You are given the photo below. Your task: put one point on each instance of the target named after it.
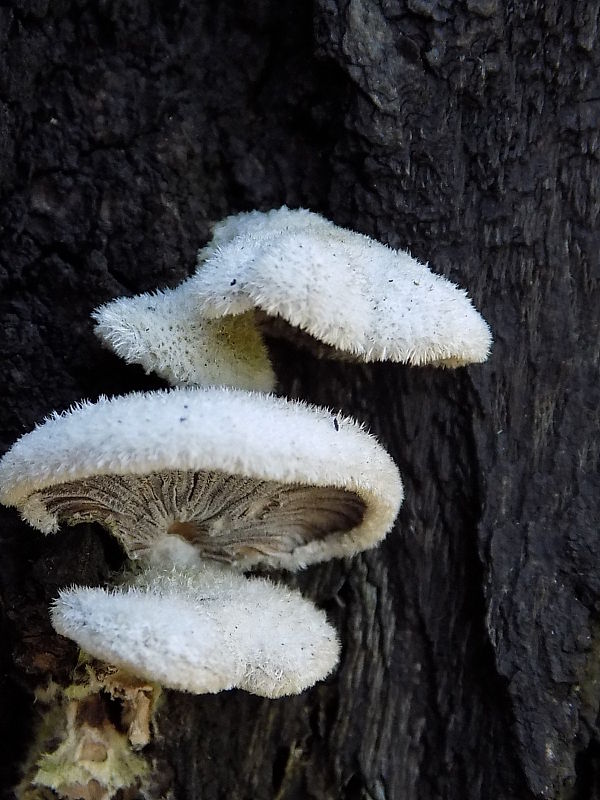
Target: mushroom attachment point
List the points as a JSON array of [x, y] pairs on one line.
[[203, 630], [186, 475]]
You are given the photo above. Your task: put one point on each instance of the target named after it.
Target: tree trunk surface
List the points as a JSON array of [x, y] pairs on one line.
[[466, 132]]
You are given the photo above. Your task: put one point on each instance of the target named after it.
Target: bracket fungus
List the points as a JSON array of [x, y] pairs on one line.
[[203, 630], [190, 474], [293, 274]]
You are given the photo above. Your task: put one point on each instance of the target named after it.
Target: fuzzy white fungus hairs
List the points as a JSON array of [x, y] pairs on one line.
[[223, 474], [166, 333], [261, 225], [203, 631], [344, 289]]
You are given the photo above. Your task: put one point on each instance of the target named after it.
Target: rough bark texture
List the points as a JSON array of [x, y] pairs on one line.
[[466, 132]]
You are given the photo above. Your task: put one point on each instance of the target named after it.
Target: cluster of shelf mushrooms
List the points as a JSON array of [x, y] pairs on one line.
[[204, 482]]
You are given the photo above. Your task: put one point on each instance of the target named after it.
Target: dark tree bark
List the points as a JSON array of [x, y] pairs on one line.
[[466, 132]]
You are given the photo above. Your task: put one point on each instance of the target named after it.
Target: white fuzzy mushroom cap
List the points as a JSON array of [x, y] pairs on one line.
[[203, 631], [343, 288], [269, 441], [166, 333]]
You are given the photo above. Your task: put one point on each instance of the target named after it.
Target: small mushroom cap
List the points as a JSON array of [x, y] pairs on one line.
[[203, 631], [343, 288], [242, 477], [166, 333]]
